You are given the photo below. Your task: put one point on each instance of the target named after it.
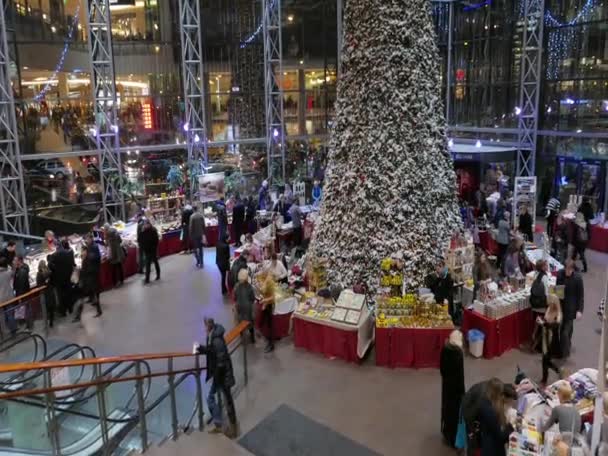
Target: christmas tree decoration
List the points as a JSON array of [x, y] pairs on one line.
[[390, 188]]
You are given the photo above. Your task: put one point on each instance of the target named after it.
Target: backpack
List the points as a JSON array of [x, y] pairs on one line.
[[538, 298]]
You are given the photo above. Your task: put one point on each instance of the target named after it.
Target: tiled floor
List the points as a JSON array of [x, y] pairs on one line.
[[390, 411]]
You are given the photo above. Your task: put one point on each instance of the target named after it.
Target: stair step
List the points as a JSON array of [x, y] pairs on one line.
[[199, 443]]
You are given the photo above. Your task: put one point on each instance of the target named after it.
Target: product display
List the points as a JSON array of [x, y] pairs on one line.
[[503, 305]]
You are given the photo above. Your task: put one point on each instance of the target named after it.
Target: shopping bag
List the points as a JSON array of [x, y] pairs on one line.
[[20, 312], [461, 435]]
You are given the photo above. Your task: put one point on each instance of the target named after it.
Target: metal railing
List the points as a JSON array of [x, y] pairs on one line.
[[22, 312], [139, 419]]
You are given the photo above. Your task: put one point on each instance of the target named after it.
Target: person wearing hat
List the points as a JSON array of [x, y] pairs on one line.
[[580, 238]]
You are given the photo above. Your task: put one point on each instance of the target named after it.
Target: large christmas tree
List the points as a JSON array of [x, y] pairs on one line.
[[390, 184]]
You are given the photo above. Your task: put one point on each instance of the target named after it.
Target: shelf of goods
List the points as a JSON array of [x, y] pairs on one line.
[[535, 406], [410, 329], [344, 329]]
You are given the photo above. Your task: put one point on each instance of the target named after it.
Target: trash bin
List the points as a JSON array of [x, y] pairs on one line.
[[476, 338]]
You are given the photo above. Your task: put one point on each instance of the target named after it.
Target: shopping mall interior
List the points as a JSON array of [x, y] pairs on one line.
[[416, 191]]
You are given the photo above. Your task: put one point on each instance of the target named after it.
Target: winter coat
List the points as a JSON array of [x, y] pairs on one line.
[[10, 256], [245, 300], [21, 281], [116, 254], [587, 210], [525, 226], [149, 241], [186, 214], [6, 285], [140, 230], [238, 214], [233, 277], [197, 226], [503, 232], [442, 288], [574, 294], [494, 437], [89, 272], [219, 365], [62, 266], [222, 255], [451, 366]]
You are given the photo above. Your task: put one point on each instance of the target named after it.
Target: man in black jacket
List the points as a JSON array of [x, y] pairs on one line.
[[141, 258], [149, 245], [9, 252], [239, 263], [62, 265], [186, 214], [441, 285], [89, 277], [222, 259], [573, 303], [219, 369]]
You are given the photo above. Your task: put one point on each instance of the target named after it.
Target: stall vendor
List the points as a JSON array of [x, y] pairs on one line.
[[442, 287], [255, 252], [50, 242], [276, 268]]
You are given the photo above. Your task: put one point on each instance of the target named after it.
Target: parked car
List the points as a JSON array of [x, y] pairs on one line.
[[54, 167]]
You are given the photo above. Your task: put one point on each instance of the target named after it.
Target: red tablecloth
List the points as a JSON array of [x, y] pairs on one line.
[[410, 347], [327, 340], [129, 268], [501, 335], [212, 233], [487, 242], [598, 238], [280, 324], [170, 244]]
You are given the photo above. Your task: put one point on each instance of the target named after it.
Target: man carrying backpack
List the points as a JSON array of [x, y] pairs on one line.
[[580, 239], [573, 303]]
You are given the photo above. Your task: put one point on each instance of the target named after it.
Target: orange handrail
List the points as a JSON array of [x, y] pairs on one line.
[[18, 367], [18, 299]]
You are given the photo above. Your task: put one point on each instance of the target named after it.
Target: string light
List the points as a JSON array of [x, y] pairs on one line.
[[66, 46], [247, 41], [562, 37]]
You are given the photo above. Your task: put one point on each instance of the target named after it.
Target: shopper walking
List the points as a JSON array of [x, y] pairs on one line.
[[149, 244], [296, 220], [88, 285], [219, 370], [141, 258], [561, 239], [250, 216], [116, 254], [245, 301], [586, 208], [186, 214], [580, 238], [197, 233], [503, 238], [222, 218], [238, 219], [550, 336], [222, 260], [61, 265], [451, 367], [267, 303], [573, 303]]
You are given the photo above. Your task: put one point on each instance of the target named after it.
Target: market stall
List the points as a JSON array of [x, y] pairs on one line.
[[344, 330], [281, 318]]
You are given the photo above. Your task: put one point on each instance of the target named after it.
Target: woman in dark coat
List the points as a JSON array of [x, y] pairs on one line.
[[452, 385], [250, 216], [494, 431]]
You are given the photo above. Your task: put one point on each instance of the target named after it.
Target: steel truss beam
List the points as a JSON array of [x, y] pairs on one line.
[[273, 89], [12, 193], [194, 83], [103, 85], [529, 93]]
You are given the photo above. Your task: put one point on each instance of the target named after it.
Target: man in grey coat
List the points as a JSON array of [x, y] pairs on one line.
[[197, 231]]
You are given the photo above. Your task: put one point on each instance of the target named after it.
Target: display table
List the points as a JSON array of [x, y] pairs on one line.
[[281, 318], [503, 334], [170, 243], [333, 339], [129, 268], [487, 242], [598, 238], [410, 347], [212, 233]]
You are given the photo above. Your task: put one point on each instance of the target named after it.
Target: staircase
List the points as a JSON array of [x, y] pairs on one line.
[[61, 399]]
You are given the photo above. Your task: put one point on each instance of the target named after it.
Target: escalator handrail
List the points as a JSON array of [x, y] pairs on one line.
[[40, 371], [10, 343], [233, 335], [18, 299]]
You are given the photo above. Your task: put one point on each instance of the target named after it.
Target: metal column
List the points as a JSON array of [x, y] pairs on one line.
[[529, 93], [103, 85], [194, 83], [12, 193], [273, 89]]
